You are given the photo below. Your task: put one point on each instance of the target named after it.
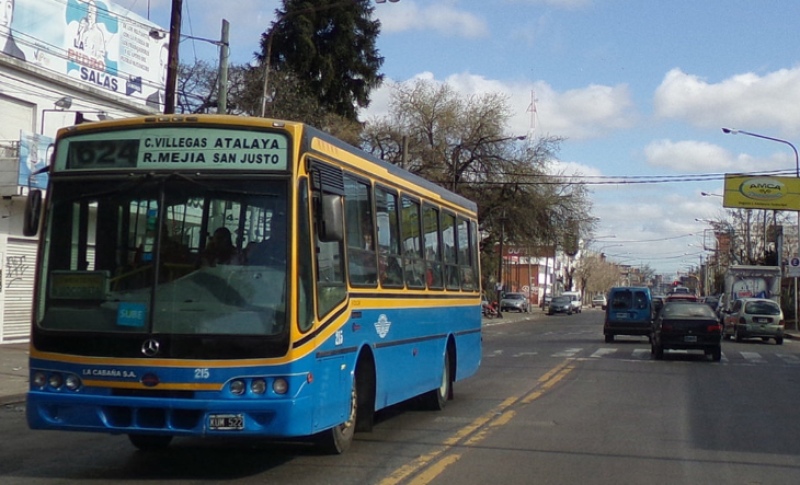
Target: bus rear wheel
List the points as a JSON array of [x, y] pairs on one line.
[[338, 439], [150, 442], [436, 399]]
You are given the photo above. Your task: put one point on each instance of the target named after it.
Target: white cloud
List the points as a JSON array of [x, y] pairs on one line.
[[745, 100], [584, 113], [562, 4], [688, 156], [444, 18]]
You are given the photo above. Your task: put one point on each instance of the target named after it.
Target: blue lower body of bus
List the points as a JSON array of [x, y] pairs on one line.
[[404, 349]]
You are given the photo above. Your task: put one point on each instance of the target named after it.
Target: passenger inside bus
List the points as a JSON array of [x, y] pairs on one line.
[[220, 249]]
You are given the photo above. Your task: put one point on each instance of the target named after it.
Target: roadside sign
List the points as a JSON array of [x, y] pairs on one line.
[[793, 268]]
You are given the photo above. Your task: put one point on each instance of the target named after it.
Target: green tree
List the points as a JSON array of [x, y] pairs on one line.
[[329, 46]]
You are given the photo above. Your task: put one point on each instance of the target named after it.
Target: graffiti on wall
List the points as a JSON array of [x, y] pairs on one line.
[[15, 270]]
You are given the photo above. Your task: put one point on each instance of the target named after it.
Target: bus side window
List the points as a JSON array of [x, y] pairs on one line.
[[433, 252], [390, 265], [414, 266], [361, 255]]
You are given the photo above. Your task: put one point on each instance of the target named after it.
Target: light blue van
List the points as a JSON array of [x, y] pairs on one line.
[[629, 311]]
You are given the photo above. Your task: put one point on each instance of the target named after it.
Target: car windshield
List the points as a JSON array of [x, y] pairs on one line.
[[762, 308], [687, 310], [514, 296], [561, 299]]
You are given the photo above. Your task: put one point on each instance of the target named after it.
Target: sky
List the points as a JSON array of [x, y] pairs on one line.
[[635, 88]]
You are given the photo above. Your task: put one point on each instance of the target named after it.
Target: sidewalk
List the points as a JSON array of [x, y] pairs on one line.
[[14, 359], [13, 373]]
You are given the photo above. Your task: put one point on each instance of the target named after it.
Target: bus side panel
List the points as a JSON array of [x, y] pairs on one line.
[[409, 357]]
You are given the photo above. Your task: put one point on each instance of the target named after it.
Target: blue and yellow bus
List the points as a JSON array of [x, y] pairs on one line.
[[218, 275]]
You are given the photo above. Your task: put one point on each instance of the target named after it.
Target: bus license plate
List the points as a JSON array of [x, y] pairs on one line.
[[226, 422], [690, 338]]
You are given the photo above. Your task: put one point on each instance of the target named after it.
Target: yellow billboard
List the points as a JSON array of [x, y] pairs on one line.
[[761, 192]]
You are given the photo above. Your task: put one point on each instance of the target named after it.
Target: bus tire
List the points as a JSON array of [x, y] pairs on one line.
[[150, 442], [436, 399], [337, 440]]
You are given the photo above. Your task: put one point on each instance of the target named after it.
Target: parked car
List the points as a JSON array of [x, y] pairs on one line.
[[560, 304], [575, 297], [754, 317], [599, 300], [629, 312], [514, 301], [686, 325]]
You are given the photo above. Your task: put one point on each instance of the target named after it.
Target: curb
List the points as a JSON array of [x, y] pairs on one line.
[[13, 399]]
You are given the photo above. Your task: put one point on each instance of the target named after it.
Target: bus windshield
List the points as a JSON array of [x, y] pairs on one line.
[[166, 254]]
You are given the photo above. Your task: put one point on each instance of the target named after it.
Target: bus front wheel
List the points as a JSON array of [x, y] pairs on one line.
[[338, 439]]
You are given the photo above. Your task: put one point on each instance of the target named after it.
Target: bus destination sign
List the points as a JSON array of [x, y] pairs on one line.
[[175, 149]]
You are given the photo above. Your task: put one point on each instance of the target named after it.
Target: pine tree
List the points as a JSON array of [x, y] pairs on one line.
[[329, 46]]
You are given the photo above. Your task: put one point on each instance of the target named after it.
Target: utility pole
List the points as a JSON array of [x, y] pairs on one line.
[[172, 65], [224, 46]]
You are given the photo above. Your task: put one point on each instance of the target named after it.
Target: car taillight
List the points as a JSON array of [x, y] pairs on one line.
[[714, 328], [780, 323], [666, 326]]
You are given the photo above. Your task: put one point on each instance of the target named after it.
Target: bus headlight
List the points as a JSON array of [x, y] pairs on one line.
[[238, 387], [55, 380], [73, 382], [39, 379], [280, 386], [258, 386]]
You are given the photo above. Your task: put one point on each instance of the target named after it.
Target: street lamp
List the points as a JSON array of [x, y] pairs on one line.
[[708, 194], [732, 131], [224, 48]]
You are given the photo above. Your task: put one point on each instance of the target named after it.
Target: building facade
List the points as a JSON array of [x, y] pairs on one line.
[[62, 62]]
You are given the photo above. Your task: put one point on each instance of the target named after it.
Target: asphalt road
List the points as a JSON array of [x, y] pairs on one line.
[[552, 404]]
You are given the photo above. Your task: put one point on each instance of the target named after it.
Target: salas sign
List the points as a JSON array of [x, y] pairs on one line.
[[761, 192]]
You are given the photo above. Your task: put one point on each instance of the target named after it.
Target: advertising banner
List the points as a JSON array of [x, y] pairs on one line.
[[761, 192], [34, 155], [93, 41]]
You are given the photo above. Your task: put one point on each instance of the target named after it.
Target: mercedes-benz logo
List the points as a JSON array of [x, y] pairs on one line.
[[150, 347]]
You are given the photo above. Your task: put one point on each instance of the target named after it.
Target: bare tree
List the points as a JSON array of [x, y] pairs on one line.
[[462, 143]]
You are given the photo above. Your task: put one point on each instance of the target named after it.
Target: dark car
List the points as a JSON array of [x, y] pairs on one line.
[[560, 304], [686, 325], [514, 301], [712, 302]]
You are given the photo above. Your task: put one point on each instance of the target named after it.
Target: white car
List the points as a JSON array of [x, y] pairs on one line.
[[599, 300]]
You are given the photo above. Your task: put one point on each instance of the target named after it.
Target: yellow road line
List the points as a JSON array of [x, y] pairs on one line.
[[430, 465]]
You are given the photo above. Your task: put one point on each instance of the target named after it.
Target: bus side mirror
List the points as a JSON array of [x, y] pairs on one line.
[[331, 224], [33, 213]]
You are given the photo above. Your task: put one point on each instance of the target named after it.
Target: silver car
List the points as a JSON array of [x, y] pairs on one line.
[[754, 317], [514, 301]]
